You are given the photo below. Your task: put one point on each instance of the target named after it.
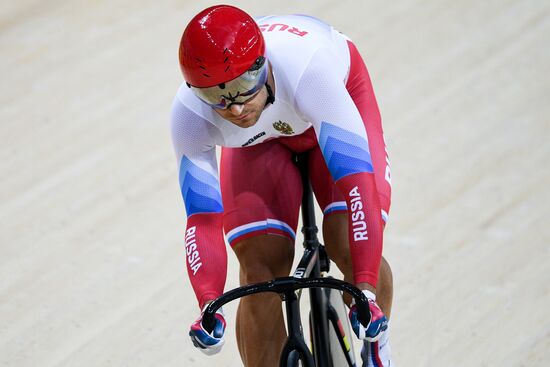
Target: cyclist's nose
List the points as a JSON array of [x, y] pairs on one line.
[[236, 109]]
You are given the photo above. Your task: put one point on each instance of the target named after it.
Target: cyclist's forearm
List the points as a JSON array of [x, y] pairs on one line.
[[206, 256]]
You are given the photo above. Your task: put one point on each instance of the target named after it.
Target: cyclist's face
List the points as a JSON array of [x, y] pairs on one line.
[[245, 114]]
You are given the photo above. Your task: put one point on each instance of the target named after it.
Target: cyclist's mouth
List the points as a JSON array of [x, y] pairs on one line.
[[240, 118]]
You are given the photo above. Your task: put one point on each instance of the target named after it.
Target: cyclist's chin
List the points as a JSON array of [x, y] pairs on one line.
[[246, 125], [246, 122]]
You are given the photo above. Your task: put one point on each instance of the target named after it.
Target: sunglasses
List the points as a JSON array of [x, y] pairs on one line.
[[236, 91]]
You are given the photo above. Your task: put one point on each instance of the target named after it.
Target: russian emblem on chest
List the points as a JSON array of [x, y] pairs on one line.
[[283, 127]]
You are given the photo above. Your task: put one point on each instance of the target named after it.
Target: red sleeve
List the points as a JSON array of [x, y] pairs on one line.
[[365, 225], [206, 255]]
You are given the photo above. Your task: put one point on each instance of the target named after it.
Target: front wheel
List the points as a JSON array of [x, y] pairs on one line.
[[340, 335]]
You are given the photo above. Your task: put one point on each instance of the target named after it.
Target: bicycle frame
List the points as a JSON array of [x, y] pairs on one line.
[[307, 275], [317, 261]]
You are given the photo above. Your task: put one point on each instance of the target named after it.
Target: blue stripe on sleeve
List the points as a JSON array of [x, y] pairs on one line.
[[345, 152], [200, 189]]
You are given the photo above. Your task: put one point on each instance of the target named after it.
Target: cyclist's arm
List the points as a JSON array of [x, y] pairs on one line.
[[322, 98], [206, 255]]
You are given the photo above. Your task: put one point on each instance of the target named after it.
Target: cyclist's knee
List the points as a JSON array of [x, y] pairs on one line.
[[263, 258], [256, 274], [385, 269], [341, 258], [385, 278], [335, 233]]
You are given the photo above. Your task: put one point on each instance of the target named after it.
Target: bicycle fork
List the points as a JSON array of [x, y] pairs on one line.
[[295, 341]]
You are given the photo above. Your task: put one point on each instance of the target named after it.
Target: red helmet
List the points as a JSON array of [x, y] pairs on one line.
[[219, 44]]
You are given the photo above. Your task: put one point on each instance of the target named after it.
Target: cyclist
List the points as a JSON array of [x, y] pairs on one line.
[[264, 90]]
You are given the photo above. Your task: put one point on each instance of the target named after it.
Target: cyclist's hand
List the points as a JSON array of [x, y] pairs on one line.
[[378, 322], [208, 343]]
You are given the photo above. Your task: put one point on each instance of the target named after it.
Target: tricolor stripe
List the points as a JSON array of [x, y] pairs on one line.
[[334, 207], [384, 216], [376, 362], [271, 226]]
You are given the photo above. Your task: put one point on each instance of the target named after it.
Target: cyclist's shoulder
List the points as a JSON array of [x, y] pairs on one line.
[[297, 43], [298, 35], [190, 111], [300, 25], [191, 123]]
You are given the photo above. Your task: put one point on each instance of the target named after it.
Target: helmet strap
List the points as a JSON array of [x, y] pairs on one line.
[[270, 95]]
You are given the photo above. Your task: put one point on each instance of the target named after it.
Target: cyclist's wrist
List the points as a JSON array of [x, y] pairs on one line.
[[218, 311], [206, 303], [206, 299], [367, 287], [370, 295]]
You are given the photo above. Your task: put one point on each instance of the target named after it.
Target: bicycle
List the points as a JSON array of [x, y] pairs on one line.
[[330, 347]]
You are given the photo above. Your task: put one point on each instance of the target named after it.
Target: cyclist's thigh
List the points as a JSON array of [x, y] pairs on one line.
[[333, 205], [261, 192], [328, 196]]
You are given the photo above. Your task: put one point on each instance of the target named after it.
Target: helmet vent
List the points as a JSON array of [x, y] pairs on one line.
[[227, 68]]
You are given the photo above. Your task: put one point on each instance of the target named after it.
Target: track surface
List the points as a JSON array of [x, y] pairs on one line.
[[91, 219]]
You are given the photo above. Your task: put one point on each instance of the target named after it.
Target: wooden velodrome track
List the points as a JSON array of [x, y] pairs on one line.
[[91, 218]]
